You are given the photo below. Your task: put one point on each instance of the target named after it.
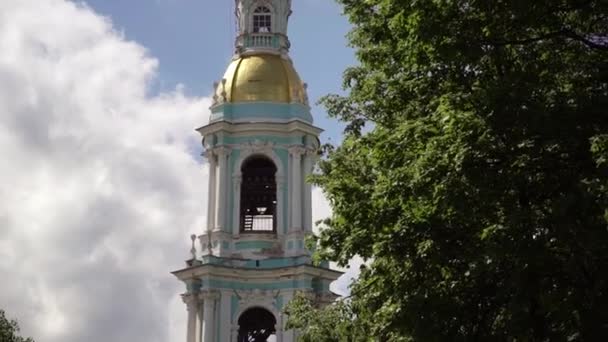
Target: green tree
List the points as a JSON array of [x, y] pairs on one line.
[[474, 171], [9, 330], [335, 324]]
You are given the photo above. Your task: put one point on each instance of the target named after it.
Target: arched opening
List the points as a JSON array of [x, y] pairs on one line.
[[257, 325], [262, 20], [258, 195]]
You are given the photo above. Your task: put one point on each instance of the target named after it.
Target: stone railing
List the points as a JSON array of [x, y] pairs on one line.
[[262, 41]]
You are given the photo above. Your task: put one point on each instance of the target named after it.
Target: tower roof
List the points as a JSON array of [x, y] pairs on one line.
[[261, 83], [262, 78]]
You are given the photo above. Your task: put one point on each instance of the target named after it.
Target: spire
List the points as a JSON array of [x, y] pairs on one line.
[[262, 26]]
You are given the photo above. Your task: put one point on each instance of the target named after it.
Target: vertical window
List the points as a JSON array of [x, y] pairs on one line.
[[262, 20], [258, 195]]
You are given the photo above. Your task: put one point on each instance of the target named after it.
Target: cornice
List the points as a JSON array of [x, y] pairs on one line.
[[255, 275], [277, 128]]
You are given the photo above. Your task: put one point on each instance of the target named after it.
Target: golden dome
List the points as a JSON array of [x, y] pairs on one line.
[[263, 78]]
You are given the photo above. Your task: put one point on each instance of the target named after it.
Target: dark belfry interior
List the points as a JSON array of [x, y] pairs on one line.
[[258, 195], [256, 325]]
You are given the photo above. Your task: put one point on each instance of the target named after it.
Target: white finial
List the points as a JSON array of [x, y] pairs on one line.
[[209, 245], [193, 249], [305, 93], [224, 90]]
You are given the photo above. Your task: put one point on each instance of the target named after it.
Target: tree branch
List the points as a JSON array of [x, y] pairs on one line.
[[590, 43], [546, 36], [601, 44]]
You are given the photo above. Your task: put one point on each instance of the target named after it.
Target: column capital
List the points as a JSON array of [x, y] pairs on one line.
[[191, 300], [296, 150], [209, 154], [222, 151], [208, 294], [312, 152]]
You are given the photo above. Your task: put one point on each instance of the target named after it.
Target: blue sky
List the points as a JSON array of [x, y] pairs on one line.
[[193, 40]]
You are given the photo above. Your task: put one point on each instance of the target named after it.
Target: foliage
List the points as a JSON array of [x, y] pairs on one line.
[[335, 324], [9, 330], [474, 171]]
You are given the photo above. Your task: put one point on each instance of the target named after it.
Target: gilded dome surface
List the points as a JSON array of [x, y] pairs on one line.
[[262, 78]]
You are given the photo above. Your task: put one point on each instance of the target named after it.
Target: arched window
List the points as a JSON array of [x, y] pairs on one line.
[[256, 325], [258, 195], [262, 20]]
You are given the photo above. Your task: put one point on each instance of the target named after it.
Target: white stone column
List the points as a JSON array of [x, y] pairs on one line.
[[224, 315], [296, 188], [201, 315], [280, 207], [309, 159], [279, 327], [212, 190], [235, 332], [222, 196], [237, 180], [193, 324], [209, 307]]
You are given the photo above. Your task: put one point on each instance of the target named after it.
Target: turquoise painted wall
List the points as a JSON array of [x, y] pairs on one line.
[[261, 110], [234, 306], [257, 264], [234, 285], [242, 245], [270, 138]]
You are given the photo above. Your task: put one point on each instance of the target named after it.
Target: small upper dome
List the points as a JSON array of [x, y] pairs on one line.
[[261, 78]]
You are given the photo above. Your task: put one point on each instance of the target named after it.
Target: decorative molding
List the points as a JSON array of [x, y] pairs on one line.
[[209, 154], [283, 128], [265, 148], [257, 146], [222, 151], [208, 295], [266, 299], [310, 151], [191, 301], [297, 150]]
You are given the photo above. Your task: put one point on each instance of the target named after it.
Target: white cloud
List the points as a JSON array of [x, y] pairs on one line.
[[100, 184], [321, 209]]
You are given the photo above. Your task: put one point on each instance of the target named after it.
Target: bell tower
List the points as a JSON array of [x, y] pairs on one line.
[[250, 258]]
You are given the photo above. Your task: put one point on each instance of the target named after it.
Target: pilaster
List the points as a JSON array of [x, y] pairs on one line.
[[209, 300], [280, 205], [296, 153], [224, 315], [212, 189], [222, 199], [193, 326], [237, 180], [309, 161]]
